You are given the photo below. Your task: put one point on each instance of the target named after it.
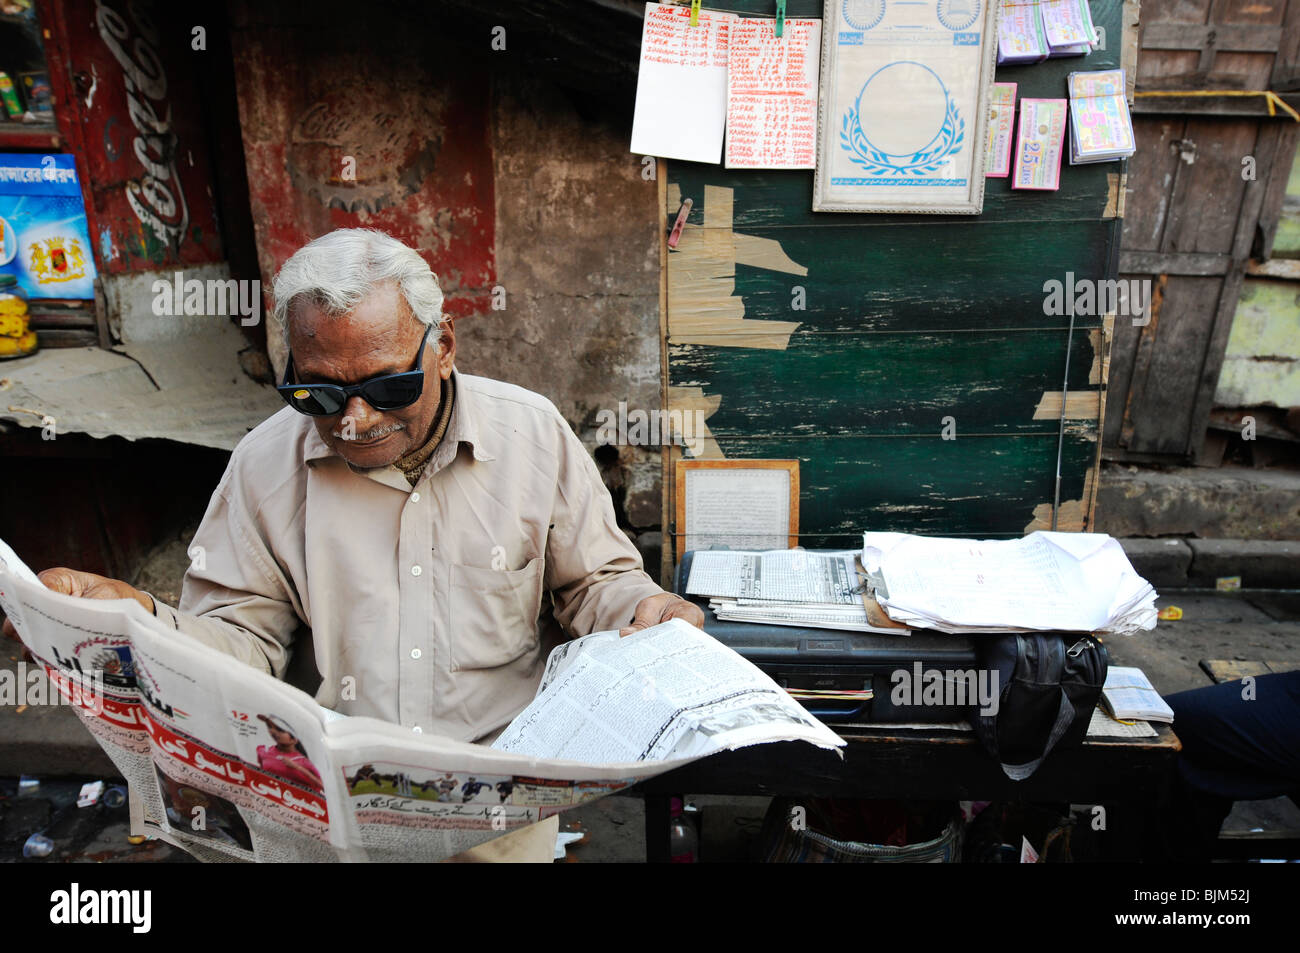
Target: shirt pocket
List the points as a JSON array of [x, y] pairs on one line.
[[493, 614]]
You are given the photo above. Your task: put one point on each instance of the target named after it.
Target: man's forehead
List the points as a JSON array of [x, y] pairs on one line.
[[377, 322]]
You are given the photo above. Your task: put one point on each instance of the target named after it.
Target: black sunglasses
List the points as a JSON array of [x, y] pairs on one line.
[[387, 392]]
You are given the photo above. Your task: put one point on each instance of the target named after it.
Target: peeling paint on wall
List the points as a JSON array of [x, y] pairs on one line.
[[702, 305]]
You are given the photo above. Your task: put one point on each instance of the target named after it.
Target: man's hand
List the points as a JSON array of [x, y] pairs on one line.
[[655, 609], [86, 585]]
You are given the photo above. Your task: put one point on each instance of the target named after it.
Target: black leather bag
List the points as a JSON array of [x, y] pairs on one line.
[[1048, 686]]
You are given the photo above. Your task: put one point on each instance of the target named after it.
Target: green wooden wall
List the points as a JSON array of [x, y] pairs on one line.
[[909, 319]]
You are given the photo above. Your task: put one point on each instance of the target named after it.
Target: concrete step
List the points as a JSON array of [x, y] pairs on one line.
[[1199, 563]]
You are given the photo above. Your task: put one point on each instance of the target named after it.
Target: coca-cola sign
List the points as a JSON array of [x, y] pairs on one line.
[[155, 194]]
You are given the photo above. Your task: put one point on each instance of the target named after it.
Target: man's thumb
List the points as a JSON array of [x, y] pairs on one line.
[[60, 580], [643, 619]]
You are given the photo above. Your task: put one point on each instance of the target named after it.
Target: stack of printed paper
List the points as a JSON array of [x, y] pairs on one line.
[[1071, 582], [785, 587], [1068, 26], [1020, 34], [1101, 129], [1030, 31]]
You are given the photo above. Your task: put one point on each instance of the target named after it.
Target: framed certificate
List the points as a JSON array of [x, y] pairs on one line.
[[737, 504], [903, 107]]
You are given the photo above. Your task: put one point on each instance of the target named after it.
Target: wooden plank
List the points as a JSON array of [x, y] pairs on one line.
[[40, 320], [101, 316], [1262, 12], [1212, 36], [1153, 263], [1277, 268], [1265, 156], [1160, 412], [1278, 174], [1215, 347], [1234, 670], [1129, 55], [920, 278], [895, 383], [880, 762], [1123, 361], [1175, 11], [775, 197], [1286, 65], [1147, 103], [1150, 171], [994, 487], [63, 337], [1209, 190], [1241, 71]]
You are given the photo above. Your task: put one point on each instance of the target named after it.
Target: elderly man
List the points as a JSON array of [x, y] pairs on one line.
[[434, 531]]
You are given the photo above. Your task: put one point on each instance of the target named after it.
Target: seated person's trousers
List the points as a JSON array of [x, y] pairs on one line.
[[1235, 748]]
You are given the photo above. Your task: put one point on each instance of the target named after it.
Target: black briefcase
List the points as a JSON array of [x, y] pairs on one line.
[[896, 669]]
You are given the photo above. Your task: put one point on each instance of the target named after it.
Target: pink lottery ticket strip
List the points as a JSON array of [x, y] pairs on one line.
[[1002, 117], [1038, 149]]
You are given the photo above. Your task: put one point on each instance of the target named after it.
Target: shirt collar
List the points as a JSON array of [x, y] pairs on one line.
[[466, 415]]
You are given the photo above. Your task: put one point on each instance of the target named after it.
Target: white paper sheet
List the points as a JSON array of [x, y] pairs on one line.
[[681, 89], [772, 94], [783, 575], [739, 509], [1077, 582]]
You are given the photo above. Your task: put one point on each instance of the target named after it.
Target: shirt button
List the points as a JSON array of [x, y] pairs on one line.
[[415, 497], [415, 653], [416, 570], [418, 730]]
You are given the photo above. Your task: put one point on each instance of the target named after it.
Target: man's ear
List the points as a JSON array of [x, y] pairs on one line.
[[447, 347]]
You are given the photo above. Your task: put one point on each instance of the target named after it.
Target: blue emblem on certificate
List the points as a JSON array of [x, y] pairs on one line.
[[865, 14], [958, 14], [874, 138]]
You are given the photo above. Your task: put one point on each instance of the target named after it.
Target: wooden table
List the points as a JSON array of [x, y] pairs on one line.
[[885, 762]]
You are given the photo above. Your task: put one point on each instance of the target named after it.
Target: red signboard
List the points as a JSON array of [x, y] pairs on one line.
[[340, 133], [141, 134]]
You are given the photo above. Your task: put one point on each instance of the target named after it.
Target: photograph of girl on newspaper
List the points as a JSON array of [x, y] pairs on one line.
[[286, 757]]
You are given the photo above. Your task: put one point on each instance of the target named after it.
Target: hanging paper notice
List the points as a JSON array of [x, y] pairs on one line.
[[772, 94], [904, 106], [681, 90]]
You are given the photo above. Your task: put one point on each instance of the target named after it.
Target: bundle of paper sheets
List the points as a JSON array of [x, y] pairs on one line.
[[784, 587], [1072, 582], [1033, 30], [1101, 129]]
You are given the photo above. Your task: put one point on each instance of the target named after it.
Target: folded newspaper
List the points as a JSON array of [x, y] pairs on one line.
[[1071, 582], [229, 763]]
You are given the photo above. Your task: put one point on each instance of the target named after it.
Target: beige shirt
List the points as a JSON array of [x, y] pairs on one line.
[[428, 606]]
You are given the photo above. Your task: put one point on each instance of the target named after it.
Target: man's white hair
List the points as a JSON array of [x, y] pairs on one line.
[[336, 272]]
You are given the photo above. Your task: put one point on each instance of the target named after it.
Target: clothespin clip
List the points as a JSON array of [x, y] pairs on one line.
[[675, 236], [695, 12], [780, 18]]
